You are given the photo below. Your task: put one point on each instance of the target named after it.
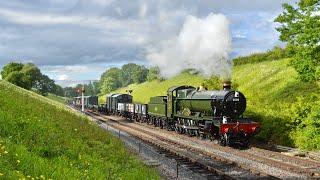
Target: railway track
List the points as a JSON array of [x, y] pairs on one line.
[[300, 162], [204, 164], [260, 162], [299, 167]]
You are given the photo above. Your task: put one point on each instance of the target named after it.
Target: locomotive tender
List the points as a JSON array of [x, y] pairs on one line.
[[188, 110]]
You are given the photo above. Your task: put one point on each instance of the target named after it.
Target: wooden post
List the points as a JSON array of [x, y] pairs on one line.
[[119, 133]]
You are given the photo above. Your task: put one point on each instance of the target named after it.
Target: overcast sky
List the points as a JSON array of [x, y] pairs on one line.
[[79, 39]]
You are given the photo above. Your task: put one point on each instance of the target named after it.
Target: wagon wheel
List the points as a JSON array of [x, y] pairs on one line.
[[225, 140], [176, 128], [246, 143]]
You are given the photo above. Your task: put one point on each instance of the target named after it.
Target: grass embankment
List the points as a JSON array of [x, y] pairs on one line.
[[56, 98], [275, 96], [40, 138]]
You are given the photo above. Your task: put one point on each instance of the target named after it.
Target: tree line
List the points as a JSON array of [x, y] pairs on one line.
[[92, 88], [29, 76], [130, 73], [114, 78]]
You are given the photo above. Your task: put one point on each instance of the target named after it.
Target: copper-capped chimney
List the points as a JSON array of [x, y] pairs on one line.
[[226, 85]]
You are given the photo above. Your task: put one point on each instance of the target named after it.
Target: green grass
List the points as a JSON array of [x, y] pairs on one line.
[[271, 88], [40, 138], [56, 98]]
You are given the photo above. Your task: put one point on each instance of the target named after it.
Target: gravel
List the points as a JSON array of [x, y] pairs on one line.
[[225, 153], [167, 165], [154, 157]]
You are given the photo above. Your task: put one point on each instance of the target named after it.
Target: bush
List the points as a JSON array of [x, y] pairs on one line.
[[305, 122], [213, 82]]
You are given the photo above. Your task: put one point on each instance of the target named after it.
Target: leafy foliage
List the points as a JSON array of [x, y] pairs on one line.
[[93, 88], [305, 122], [28, 76], [114, 78], [154, 73], [300, 28], [9, 68]]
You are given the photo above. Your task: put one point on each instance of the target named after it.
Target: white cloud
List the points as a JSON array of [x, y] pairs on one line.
[[241, 36], [143, 10], [63, 77], [102, 2], [119, 11]]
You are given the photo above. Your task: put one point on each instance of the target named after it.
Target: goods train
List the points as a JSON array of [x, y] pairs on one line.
[[90, 102], [189, 110]]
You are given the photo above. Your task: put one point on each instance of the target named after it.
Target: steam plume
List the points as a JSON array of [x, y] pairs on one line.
[[203, 44]]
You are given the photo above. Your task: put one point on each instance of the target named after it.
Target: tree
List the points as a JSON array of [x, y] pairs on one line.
[[154, 73], [58, 90], [127, 72], [17, 78], [29, 76], [44, 85], [90, 89], [70, 92], [300, 28], [139, 74], [32, 74], [108, 85], [113, 76], [9, 68]]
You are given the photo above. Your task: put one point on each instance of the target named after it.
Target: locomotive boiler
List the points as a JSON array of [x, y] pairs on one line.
[[226, 102]]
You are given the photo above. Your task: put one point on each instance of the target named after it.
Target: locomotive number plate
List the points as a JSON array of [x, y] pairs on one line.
[[235, 99]]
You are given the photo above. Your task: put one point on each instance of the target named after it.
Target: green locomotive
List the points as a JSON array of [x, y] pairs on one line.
[[198, 112]]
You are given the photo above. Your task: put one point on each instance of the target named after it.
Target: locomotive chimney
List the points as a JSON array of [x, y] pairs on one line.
[[226, 85]]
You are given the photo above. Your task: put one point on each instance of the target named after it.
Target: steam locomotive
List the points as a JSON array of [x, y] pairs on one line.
[[193, 111]]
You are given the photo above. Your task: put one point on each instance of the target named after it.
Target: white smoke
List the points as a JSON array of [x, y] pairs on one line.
[[203, 44]]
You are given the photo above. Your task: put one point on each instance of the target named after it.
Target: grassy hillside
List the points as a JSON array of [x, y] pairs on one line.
[[56, 98], [273, 92], [275, 98], [40, 138]]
